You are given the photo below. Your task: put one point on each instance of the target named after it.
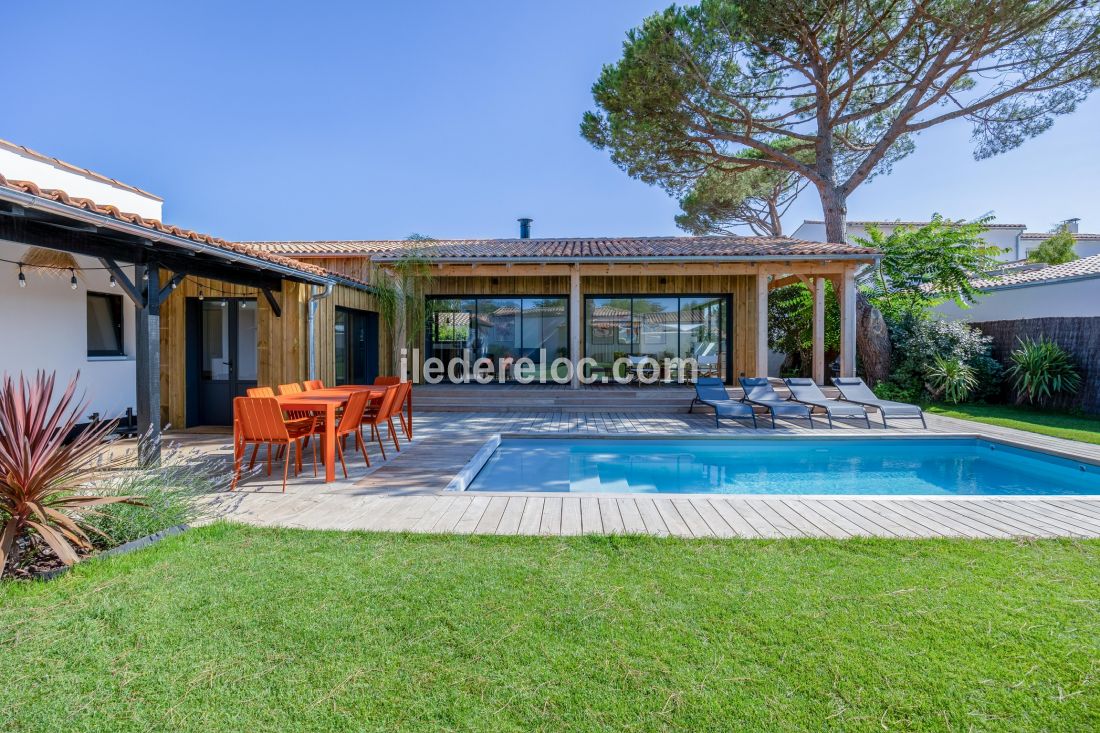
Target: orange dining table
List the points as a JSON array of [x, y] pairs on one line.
[[325, 402]]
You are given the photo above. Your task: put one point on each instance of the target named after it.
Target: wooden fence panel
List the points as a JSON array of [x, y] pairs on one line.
[[1078, 336]]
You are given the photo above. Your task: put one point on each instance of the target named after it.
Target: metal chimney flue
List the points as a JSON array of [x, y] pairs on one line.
[[525, 228]]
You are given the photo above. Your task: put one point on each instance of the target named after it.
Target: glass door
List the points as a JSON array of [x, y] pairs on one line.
[[228, 363]]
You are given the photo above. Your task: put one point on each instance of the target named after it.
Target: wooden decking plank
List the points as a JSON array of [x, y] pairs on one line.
[[513, 512], [691, 517], [1067, 515], [804, 526], [472, 517], [718, 526], [759, 525], [1038, 512], [960, 512], [591, 522], [871, 524], [571, 516], [451, 516], [739, 524], [654, 522], [428, 520], [1009, 519], [775, 519], [911, 523], [958, 525], [825, 510], [551, 516], [632, 518], [676, 525], [609, 515], [531, 519]]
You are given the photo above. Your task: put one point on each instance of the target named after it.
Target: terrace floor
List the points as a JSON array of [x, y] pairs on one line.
[[406, 493]]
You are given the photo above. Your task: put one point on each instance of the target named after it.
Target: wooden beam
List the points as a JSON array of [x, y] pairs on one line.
[[148, 368], [275, 307], [169, 286], [575, 305], [124, 282], [818, 357], [761, 325], [848, 325], [785, 281]]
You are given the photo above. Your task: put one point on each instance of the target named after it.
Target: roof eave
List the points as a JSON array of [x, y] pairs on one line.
[[30, 201], [651, 259]]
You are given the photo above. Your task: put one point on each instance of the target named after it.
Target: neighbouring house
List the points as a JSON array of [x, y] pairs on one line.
[[1013, 240], [608, 298], [1062, 302], [166, 322]]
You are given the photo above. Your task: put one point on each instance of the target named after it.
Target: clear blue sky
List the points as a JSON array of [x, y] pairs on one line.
[[344, 120]]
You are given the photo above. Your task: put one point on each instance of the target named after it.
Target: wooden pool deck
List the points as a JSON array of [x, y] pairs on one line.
[[406, 493]]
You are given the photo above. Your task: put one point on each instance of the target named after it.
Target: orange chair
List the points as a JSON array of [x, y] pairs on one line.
[[403, 391], [405, 404], [260, 392], [313, 384], [261, 422], [387, 406], [292, 388], [352, 423]]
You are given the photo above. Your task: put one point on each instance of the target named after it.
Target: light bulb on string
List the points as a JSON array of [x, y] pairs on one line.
[[72, 280], [22, 278], [113, 281], [202, 297]]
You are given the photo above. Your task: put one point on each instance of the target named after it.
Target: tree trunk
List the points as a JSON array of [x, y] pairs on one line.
[[872, 336]]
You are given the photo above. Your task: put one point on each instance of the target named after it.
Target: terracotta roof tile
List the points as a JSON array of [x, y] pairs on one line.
[[1048, 235], [1084, 267], [60, 196], [579, 248]]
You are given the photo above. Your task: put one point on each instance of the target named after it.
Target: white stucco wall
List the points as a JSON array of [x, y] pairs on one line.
[[1049, 300], [1006, 239], [45, 326], [15, 164]]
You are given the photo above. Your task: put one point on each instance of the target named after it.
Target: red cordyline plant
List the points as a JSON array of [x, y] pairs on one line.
[[41, 473]]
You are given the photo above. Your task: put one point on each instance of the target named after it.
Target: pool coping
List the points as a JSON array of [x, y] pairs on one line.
[[464, 478]]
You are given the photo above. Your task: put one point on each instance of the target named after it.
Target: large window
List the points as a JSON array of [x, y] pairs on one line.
[[685, 327], [105, 325], [502, 328]]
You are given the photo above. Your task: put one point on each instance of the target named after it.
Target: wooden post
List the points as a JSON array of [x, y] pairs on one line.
[[818, 359], [761, 325], [575, 323], [848, 325], [148, 365]]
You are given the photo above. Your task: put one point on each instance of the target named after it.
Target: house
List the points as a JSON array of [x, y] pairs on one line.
[[1027, 291], [608, 298], [1013, 240], [163, 321]]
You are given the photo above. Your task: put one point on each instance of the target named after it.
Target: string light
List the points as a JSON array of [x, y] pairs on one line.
[[22, 278], [72, 280], [201, 296], [113, 281]]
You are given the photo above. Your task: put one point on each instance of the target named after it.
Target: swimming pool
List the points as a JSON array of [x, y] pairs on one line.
[[888, 465]]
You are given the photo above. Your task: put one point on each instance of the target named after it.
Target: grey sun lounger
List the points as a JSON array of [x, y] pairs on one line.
[[853, 389], [758, 391], [807, 392], [711, 391]]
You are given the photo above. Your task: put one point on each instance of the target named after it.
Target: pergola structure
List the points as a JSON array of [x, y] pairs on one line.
[[162, 256]]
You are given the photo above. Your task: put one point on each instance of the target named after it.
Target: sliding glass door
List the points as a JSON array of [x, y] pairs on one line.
[[665, 327], [501, 328]]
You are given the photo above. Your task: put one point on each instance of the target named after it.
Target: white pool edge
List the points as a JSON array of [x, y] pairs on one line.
[[466, 475]]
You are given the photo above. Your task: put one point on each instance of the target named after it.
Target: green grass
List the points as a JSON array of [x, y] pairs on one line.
[[244, 629], [1045, 422]]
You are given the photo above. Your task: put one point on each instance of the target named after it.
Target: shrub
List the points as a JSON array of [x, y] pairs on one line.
[[41, 473], [951, 378], [170, 494], [1040, 369], [919, 341]]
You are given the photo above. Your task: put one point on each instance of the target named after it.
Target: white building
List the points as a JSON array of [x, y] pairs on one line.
[[1071, 290], [1013, 240], [48, 324]]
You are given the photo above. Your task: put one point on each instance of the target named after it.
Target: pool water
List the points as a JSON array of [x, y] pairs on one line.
[[914, 466]]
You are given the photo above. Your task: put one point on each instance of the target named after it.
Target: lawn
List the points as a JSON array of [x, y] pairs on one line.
[[246, 629], [1046, 422]]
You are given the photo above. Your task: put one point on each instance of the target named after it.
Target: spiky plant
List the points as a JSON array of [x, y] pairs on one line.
[[952, 378], [41, 472], [399, 290], [1040, 369]]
